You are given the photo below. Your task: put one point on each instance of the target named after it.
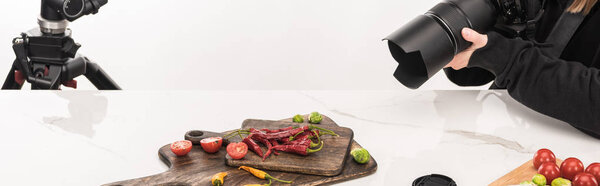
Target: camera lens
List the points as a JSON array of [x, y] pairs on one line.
[[102, 2], [73, 8], [426, 44]]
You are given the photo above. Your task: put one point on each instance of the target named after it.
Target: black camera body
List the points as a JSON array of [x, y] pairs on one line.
[[518, 11], [518, 18], [426, 44]]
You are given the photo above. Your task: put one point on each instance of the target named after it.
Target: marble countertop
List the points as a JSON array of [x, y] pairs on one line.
[[92, 138]]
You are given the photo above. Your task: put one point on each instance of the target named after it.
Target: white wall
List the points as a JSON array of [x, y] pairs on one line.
[[243, 44]]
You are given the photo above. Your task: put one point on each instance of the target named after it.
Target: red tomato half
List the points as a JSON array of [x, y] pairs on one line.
[[542, 156], [550, 171], [181, 148], [237, 150], [585, 179], [571, 167], [211, 145], [594, 169]]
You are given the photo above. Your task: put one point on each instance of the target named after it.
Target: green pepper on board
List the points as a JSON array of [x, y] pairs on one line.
[[315, 118], [361, 155], [298, 119]]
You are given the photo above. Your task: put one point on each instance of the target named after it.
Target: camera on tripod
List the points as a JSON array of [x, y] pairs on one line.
[[47, 56], [426, 44]]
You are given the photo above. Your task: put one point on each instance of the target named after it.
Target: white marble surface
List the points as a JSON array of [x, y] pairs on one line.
[[91, 138]]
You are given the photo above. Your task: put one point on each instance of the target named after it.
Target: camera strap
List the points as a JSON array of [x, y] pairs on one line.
[[563, 31], [531, 25]]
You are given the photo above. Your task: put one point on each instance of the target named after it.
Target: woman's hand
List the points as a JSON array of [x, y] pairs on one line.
[[461, 60]]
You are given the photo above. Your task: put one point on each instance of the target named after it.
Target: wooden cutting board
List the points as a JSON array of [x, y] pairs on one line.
[[327, 162], [523, 173], [197, 167]]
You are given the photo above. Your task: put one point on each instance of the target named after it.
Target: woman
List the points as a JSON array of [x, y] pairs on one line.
[[566, 88]]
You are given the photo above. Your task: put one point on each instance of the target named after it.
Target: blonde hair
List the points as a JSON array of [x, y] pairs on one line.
[[582, 5]]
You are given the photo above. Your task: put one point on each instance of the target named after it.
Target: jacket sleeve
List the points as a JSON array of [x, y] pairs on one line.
[[469, 76], [568, 91]]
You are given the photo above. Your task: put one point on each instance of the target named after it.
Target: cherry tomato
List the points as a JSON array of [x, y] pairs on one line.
[[571, 167], [585, 179], [237, 150], [181, 148], [211, 145], [594, 169], [542, 156], [550, 170]]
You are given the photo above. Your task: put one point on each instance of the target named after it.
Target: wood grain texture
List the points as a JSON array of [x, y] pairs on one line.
[[197, 167], [327, 162], [522, 173]]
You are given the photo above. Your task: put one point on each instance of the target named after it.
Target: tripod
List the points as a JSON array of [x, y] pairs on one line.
[[46, 57]]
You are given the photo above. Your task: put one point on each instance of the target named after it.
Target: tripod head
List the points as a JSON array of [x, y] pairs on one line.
[[56, 14]]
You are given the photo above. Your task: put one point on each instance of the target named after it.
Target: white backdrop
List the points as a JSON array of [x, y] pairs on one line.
[[243, 44]]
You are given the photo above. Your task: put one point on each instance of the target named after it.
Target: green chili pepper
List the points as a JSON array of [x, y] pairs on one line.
[[324, 131]]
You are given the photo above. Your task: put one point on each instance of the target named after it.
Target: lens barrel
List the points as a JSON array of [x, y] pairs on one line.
[[426, 44], [59, 10]]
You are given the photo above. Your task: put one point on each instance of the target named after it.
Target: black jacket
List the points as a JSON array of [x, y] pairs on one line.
[[566, 88]]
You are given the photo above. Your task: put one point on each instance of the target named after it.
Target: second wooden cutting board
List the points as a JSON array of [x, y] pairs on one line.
[[327, 162], [523, 173]]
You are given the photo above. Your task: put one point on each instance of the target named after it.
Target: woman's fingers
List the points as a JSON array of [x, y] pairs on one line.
[[478, 40], [461, 60]]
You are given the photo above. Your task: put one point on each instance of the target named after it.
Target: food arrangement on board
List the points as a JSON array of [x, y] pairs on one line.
[[280, 154], [571, 171]]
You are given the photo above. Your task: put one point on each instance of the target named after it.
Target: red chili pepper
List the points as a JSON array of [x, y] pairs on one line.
[[286, 133], [295, 140], [277, 130], [303, 141], [269, 150], [284, 140], [265, 142], [253, 130], [305, 134], [252, 145], [274, 143], [298, 149], [257, 133]]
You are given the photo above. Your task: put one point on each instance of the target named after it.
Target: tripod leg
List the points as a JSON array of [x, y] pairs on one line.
[[10, 83], [99, 78]]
